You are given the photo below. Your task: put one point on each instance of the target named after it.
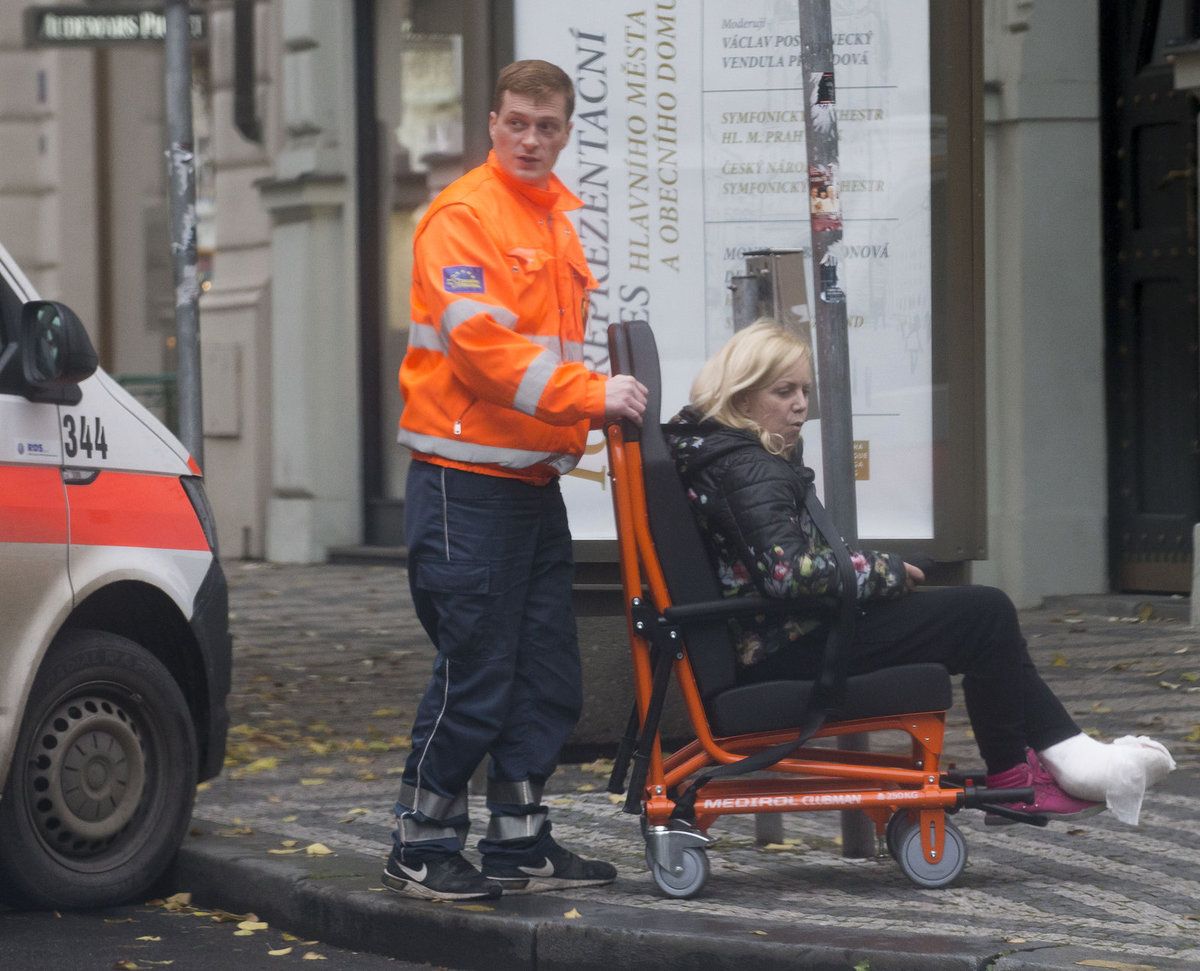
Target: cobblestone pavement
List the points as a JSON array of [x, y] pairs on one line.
[[330, 661]]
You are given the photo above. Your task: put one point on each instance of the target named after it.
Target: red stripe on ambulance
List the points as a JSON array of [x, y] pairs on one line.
[[32, 508], [134, 509]]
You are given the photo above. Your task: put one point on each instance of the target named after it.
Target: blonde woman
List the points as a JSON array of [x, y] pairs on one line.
[[737, 446]]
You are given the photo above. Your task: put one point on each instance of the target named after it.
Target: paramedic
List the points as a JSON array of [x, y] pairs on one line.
[[498, 403]]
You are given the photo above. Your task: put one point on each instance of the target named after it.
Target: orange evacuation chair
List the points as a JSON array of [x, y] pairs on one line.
[[751, 753]]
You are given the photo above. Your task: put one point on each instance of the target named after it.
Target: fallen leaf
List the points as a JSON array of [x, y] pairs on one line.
[[280, 952], [318, 849], [386, 713], [475, 908], [236, 831], [572, 914], [1168, 685], [1193, 735], [243, 933], [125, 966], [148, 937], [1060, 661], [759, 933], [287, 852], [324, 770], [253, 925], [776, 847], [1101, 709], [585, 787], [313, 956], [313, 782], [1189, 676], [615, 799], [118, 920], [1144, 613], [290, 819], [1016, 940]]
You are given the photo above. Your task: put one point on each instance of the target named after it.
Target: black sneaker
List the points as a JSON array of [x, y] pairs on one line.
[[448, 877], [559, 869]]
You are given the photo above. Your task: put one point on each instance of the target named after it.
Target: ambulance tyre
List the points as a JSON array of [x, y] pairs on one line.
[[931, 876], [100, 789], [689, 882]]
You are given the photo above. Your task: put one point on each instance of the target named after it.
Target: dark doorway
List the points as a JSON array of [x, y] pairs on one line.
[[1149, 139]]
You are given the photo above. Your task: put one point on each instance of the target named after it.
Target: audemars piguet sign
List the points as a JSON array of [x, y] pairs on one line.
[[63, 26]]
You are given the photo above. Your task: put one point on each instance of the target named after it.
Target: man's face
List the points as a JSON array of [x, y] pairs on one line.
[[528, 133]]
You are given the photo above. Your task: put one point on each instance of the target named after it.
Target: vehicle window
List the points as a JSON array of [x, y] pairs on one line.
[[10, 313]]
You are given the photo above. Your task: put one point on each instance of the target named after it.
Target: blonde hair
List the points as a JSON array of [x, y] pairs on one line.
[[752, 359]]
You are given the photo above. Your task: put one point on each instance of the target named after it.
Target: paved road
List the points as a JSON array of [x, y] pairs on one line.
[[149, 936], [330, 662]]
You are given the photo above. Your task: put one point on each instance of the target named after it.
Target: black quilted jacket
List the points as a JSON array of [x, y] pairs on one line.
[[750, 507]]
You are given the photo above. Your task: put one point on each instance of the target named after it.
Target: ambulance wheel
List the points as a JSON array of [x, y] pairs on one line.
[[918, 869], [99, 793], [689, 882]]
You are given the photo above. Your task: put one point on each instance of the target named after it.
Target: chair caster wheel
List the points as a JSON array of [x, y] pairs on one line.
[[689, 881], [905, 844]]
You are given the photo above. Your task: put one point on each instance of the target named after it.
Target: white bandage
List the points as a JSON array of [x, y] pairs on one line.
[[1117, 774]]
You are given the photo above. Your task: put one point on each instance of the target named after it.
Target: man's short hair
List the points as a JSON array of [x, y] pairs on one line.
[[534, 79]]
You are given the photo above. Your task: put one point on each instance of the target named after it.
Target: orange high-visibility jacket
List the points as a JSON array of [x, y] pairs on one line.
[[493, 380]]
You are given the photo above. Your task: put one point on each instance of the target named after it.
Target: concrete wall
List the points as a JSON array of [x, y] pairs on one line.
[[47, 167], [1047, 486], [236, 311], [316, 470]]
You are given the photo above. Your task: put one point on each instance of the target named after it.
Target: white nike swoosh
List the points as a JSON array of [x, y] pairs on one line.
[[545, 870], [417, 875]]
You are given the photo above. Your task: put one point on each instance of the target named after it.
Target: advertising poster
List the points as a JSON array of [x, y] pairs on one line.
[[689, 149]]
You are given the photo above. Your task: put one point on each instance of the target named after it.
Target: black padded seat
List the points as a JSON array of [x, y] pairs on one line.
[[773, 705]]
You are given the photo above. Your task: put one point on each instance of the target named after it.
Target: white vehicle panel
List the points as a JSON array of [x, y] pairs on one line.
[[178, 573]]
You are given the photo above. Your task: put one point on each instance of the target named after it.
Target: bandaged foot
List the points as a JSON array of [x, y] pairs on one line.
[[1117, 773]]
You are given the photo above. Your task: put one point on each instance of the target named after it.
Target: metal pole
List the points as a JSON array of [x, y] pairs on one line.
[[181, 182], [833, 350]]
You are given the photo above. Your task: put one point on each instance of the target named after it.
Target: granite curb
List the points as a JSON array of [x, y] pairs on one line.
[[339, 901]]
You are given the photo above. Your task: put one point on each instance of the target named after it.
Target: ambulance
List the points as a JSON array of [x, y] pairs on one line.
[[114, 622]]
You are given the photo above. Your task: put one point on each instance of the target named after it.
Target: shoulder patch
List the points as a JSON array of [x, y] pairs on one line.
[[462, 279]]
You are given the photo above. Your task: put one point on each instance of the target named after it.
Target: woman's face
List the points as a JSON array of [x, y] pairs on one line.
[[782, 406]]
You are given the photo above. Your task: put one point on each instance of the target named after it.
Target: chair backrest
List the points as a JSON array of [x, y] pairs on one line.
[[677, 541]]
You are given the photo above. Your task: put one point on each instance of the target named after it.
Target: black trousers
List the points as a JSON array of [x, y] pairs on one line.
[[973, 631]]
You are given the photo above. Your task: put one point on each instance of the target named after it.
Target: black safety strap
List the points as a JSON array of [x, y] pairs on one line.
[[620, 769], [830, 689]]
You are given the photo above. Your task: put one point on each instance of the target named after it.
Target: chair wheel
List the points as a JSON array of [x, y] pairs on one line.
[[689, 882], [895, 826], [908, 853]]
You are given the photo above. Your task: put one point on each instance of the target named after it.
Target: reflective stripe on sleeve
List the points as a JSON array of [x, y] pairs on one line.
[[533, 383], [463, 310], [506, 458], [425, 337]]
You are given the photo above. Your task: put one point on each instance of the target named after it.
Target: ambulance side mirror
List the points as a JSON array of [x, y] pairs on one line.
[[56, 352]]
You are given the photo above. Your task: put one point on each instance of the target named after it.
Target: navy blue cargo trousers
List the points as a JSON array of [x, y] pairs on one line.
[[490, 570]]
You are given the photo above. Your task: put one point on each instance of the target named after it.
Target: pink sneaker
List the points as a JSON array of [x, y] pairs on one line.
[[1048, 797]]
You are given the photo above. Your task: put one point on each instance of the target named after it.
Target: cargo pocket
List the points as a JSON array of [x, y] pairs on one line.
[[453, 576], [460, 593]]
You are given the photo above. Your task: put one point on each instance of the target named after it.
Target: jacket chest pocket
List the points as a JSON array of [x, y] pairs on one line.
[[551, 291]]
